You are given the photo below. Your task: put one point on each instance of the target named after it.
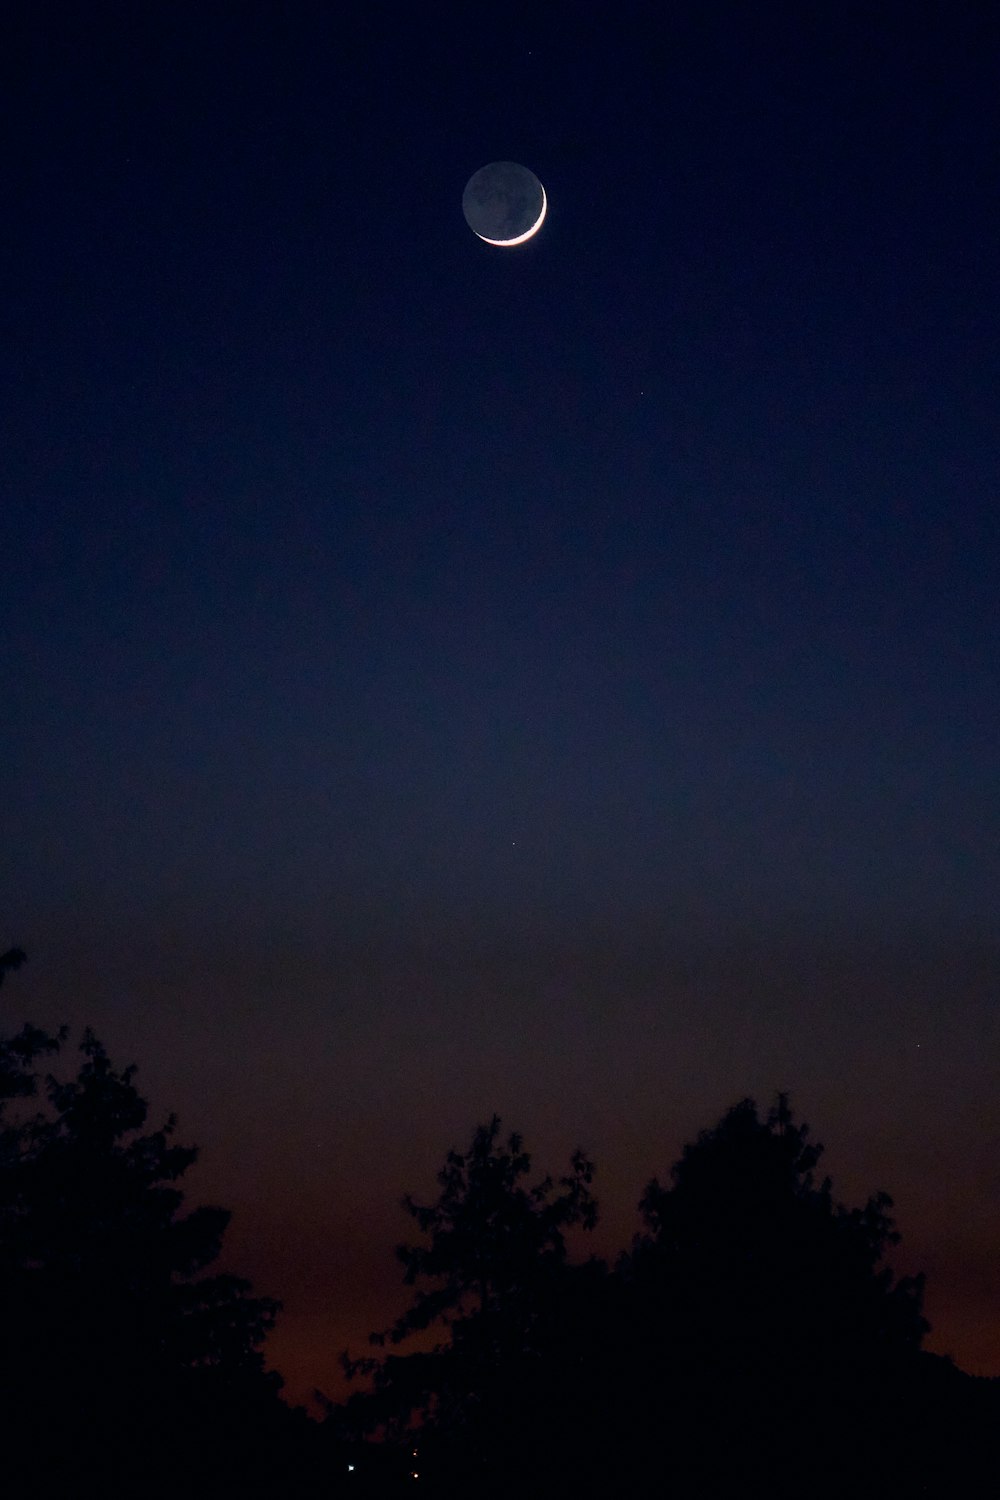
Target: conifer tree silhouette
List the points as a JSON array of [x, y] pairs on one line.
[[116, 1340]]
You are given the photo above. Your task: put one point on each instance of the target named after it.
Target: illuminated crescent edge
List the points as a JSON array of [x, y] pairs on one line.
[[520, 238]]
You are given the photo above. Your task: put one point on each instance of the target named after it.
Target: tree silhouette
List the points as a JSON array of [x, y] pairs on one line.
[[494, 1276], [753, 1341], [774, 1320], [12, 959], [113, 1340]]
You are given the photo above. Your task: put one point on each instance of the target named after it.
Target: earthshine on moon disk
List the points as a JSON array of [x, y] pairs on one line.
[[504, 203]]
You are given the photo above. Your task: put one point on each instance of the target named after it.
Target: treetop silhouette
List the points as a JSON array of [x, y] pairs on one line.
[[491, 1236], [111, 1332], [758, 1244], [12, 959], [489, 1276]]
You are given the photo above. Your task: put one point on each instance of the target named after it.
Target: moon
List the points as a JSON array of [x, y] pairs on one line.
[[504, 203]]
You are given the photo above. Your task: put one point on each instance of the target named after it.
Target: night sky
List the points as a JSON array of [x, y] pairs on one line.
[[559, 681]]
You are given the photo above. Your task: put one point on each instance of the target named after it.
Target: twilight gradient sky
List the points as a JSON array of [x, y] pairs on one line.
[[560, 681]]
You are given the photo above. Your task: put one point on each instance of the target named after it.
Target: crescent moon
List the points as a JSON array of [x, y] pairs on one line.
[[519, 239], [504, 204]]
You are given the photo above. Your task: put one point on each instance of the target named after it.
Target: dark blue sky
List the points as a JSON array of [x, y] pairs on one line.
[[561, 680]]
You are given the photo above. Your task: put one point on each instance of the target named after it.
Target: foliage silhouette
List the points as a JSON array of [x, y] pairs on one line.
[[757, 1245], [114, 1342], [762, 1317], [12, 959], [753, 1340], [494, 1276]]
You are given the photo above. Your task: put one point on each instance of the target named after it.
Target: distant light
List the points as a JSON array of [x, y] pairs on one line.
[[350, 1468]]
